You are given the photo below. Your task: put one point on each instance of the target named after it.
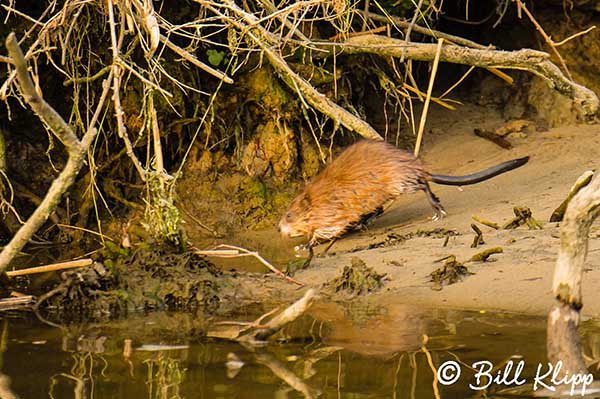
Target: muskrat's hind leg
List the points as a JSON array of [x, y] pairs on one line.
[[333, 240], [369, 217], [434, 201], [365, 220]]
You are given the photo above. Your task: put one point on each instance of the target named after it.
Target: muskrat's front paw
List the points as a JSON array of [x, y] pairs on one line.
[[302, 250]]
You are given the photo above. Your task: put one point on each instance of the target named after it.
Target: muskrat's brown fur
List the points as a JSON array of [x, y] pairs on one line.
[[357, 184]]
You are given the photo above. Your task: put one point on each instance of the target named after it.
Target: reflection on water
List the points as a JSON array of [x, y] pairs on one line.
[[336, 352]]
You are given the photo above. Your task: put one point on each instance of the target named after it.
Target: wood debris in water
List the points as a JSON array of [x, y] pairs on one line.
[[17, 302], [259, 331]]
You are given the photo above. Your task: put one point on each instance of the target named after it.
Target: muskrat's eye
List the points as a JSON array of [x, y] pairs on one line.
[[289, 216]]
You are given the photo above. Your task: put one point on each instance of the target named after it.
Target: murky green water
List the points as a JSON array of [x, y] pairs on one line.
[[336, 352]]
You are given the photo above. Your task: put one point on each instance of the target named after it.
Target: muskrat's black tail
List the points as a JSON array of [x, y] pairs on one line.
[[479, 176]]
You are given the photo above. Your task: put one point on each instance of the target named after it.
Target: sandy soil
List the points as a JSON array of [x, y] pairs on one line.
[[517, 280]]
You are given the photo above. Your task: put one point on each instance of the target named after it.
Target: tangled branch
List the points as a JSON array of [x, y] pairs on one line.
[[77, 149]]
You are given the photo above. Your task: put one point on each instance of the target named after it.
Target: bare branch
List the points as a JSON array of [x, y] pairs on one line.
[[42, 109], [62, 130], [399, 22], [536, 62], [116, 73]]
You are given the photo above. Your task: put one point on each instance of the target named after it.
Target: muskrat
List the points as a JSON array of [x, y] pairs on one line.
[[353, 189]]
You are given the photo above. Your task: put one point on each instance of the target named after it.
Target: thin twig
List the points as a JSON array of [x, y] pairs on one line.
[[436, 100], [102, 236], [411, 25], [547, 38], [51, 268], [23, 15], [591, 28], [117, 72], [434, 67], [191, 58], [87, 79], [158, 153], [245, 252], [274, 12]]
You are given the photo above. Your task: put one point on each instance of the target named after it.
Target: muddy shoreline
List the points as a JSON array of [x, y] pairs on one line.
[[517, 280], [404, 245]]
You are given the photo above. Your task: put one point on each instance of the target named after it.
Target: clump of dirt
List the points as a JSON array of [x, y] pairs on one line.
[[452, 272], [273, 147], [357, 279], [90, 293], [149, 279]]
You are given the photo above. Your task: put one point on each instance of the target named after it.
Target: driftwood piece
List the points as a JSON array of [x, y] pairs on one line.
[[487, 223], [257, 331], [536, 62], [291, 313], [581, 182], [523, 216], [563, 340], [581, 212], [485, 254], [77, 150], [494, 138]]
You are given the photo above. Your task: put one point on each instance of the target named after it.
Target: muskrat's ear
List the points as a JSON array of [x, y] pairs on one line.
[[305, 202], [289, 216]]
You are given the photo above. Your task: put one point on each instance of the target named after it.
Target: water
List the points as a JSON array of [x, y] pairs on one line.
[[335, 352]]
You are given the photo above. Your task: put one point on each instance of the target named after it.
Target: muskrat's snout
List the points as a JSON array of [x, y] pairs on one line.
[[287, 226], [293, 222], [283, 229]]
